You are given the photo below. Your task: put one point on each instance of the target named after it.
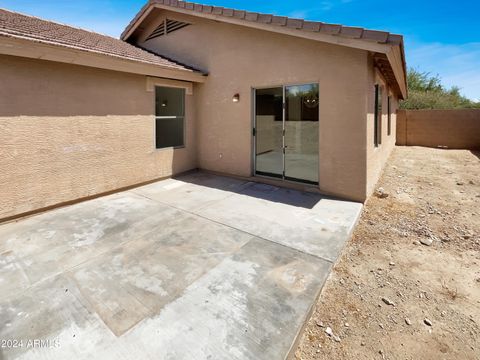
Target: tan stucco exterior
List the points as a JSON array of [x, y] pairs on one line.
[[69, 131], [238, 59], [377, 156]]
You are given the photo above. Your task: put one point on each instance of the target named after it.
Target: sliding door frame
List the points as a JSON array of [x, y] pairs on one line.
[[254, 132]]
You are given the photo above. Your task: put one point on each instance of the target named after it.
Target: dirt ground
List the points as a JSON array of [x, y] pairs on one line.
[[391, 294]]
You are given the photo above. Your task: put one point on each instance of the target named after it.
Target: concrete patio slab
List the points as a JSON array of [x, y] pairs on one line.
[[192, 191], [303, 221], [199, 267]]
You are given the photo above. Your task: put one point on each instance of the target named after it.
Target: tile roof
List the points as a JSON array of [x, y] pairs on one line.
[[362, 38], [382, 37], [17, 25]]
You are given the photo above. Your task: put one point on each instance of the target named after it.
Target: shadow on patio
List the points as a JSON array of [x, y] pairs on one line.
[[292, 197]]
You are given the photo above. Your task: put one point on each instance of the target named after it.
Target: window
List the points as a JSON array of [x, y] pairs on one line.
[[169, 117], [389, 109], [378, 115]]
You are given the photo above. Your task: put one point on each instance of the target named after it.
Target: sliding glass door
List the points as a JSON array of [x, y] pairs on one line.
[[301, 133], [269, 132], [286, 132]]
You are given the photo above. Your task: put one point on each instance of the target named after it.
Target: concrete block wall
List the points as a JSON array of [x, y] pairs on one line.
[[454, 129]]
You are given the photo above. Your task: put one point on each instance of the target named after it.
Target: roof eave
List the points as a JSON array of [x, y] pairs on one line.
[[34, 49], [134, 23], [405, 71], [370, 44]]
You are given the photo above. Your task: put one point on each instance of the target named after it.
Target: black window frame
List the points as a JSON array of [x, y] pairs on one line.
[[170, 118], [389, 110], [377, 138]]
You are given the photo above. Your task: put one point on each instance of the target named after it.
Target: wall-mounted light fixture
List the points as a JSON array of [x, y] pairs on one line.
[[164, 103], [236, 98]]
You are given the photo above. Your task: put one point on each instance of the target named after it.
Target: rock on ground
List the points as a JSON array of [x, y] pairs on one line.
[[439, 283]]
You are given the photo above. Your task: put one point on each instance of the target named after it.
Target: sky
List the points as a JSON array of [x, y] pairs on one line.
[[441, 37]]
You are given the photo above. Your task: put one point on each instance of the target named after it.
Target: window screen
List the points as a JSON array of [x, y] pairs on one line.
[[169, 117]]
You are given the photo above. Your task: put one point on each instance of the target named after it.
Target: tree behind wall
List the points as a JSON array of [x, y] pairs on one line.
[[427, 92]]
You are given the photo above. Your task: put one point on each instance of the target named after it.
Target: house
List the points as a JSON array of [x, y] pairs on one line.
[[287, 101]]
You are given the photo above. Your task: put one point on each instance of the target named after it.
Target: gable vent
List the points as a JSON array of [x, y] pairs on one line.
[[166, 27]]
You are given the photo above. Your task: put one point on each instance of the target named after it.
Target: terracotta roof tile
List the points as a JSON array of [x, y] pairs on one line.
[[331, 29], [217, 10], [311, 25], [17, 25], [351, 32], [395, 39], [251, 16], [207, 9], [377, 36], [294, 23], [264, 18], [279, 20], [227, 12], [239, 14]]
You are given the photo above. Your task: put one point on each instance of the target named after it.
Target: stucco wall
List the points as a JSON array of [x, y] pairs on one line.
[[455, 129], [68, 132], [239, 59], [378, 156]]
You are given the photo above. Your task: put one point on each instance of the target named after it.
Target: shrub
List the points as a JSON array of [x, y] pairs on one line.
[[427, 92]]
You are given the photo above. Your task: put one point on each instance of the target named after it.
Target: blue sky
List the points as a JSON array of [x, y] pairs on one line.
[[441, 37]]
